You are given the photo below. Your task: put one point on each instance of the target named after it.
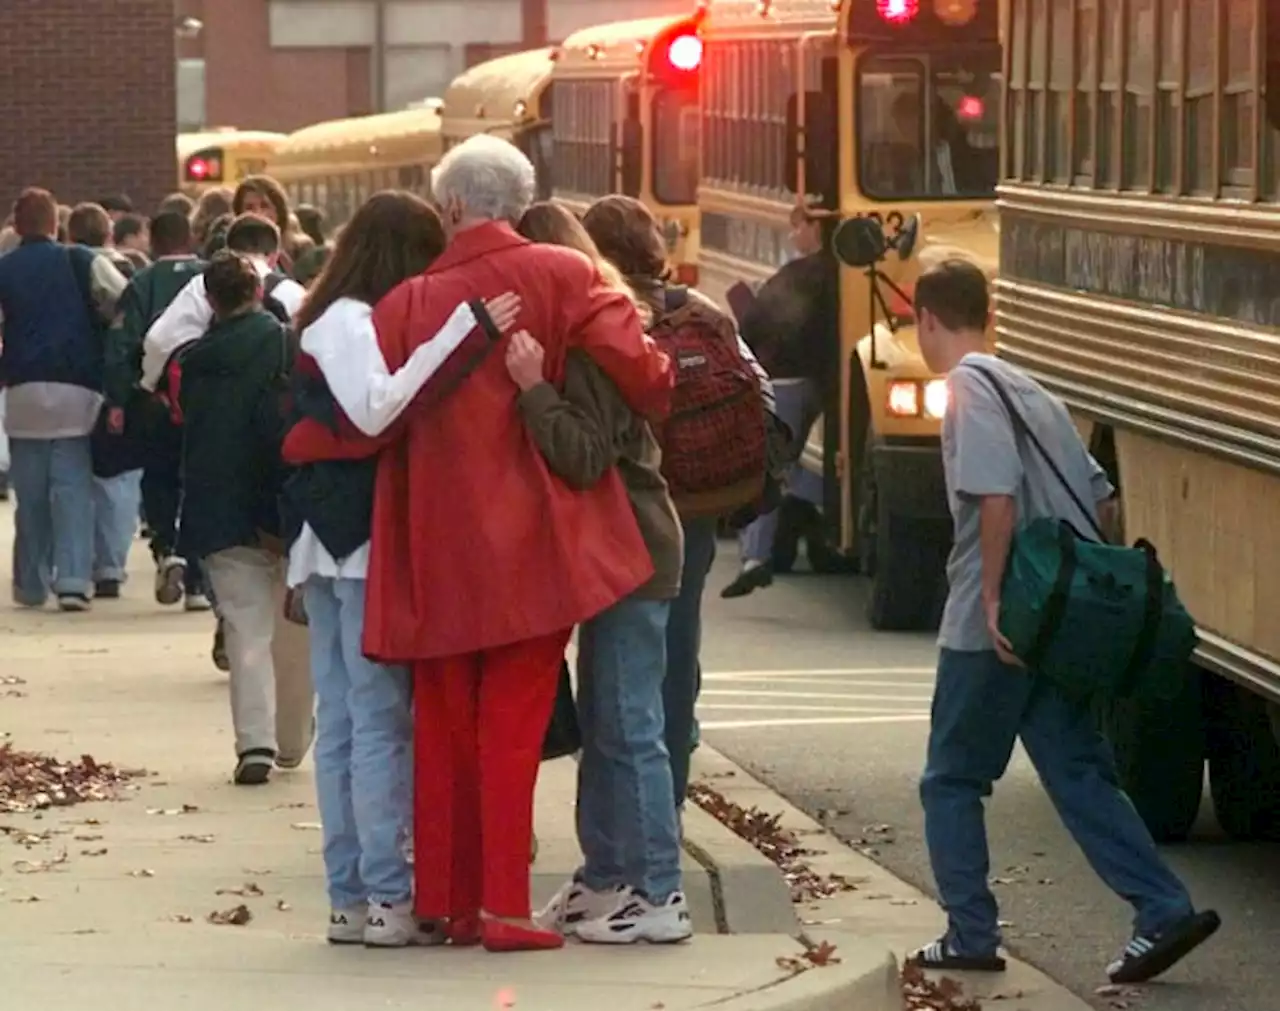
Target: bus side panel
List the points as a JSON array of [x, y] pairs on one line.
[[1204, 514]]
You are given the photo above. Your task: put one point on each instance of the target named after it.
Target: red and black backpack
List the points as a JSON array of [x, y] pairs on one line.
[[714, 446]]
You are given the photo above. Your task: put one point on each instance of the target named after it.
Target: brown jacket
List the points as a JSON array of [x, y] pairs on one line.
[[588, 429]]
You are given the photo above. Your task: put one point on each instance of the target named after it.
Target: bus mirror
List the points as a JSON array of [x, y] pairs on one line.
[[905, 243], [859, 242]]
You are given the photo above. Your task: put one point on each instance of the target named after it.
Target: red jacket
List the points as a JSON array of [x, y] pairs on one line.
[[475, 543]]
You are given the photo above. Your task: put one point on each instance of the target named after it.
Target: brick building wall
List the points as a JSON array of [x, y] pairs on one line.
[[87, 99]]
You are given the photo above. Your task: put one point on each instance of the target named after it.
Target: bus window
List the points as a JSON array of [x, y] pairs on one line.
[[675, 146], [928, 128]]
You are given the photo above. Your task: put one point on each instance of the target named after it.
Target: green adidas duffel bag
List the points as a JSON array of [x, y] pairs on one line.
[[1097, 620]]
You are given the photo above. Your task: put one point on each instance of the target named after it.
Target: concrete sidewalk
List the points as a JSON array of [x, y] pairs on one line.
[[121, 923]]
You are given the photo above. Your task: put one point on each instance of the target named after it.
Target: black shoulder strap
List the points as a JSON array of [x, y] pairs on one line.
[[675, 298], [1020, 426]]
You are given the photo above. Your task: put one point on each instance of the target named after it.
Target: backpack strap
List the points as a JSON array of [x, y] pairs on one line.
[[675, 297]]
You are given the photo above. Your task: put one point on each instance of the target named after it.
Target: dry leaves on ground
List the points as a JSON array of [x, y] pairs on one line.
[[246, 891], [235, 917], [778, 844], [819, 956], [1121, 998], [34, 782], [170, 811], [40, 866], [920, 993], [205, 838]]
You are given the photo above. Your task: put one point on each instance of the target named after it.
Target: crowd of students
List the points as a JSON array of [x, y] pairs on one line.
[[405, 481]]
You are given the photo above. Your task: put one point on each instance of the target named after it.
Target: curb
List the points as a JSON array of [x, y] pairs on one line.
[[749, 893], [861, 982], [883, 911]]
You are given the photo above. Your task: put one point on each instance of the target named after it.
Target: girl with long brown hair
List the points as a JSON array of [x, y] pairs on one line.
[[364, 728], [629, 886]]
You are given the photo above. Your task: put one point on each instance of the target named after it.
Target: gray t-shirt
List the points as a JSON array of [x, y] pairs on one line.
[[981, 456]]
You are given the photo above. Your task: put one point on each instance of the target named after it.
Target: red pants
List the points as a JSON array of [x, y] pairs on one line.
[[479, 723]]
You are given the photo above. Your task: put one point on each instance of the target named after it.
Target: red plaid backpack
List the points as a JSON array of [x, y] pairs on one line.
[[714, 450]]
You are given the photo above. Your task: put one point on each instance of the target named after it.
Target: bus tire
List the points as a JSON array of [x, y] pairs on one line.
[[1244, 762], [1159, 750], [909, 563]]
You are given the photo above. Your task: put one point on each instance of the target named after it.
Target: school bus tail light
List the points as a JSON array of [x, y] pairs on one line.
[[903, 399], [897, 12]]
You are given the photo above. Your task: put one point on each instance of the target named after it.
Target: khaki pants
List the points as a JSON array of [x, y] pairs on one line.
[[272, 702]]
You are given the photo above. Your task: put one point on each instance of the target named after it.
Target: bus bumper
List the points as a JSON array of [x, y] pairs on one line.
[[909, 479]]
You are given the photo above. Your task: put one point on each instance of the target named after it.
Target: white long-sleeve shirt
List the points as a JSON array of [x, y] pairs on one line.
[[344, 344], [190, 315]]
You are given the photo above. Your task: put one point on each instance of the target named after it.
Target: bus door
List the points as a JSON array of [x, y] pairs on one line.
[[631, 137]]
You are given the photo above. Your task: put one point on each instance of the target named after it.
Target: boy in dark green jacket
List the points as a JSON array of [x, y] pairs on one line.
[[148, 295], [230, 385]]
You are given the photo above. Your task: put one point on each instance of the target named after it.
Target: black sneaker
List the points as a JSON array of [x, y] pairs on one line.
[[749, 580], [254, 767], [1147, 956], [107, 589]]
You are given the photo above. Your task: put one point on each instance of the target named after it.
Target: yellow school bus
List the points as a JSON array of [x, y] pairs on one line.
[[507, 97], [222, 157], [1139, 215], [887, 110], [338, 165], [625, 120]]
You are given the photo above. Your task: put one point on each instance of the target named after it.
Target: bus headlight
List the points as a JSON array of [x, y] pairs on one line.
[[935, 398], [903, 399]]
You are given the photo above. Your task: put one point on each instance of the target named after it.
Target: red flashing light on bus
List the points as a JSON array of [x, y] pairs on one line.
[[970, 107], [898, 12], [203, 169], [684, 53], [197, 168]]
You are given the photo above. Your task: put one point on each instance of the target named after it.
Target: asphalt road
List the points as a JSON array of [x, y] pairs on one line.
[[800, 691]]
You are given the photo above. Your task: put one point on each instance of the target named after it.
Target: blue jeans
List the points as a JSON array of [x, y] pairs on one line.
[[684, 641], [797, 402], [980, 707], [53, 543], [626, 810], [364, 751], [116, 502]]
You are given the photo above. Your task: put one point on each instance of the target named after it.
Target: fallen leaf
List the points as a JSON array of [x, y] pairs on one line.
[[12, 679], [145, 872], [920, 993], [85, 930], [246, 891], [904, 902], [40, 866], [34, 782], [283, 906], [290, 807], [254, 872], [778, 844], [170, 811], [235, 917], [28, 899], [306, 826], [87, 838], [824, 954], [206, 838], [93, 853], [180, 918], [791, 964]]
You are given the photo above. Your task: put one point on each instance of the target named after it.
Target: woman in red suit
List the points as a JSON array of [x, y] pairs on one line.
[[482, 561]]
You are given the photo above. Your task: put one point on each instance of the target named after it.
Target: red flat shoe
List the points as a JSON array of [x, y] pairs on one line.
[[498, 935], [464, 932]]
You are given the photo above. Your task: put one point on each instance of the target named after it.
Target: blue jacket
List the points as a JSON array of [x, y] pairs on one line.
[[51, 333]]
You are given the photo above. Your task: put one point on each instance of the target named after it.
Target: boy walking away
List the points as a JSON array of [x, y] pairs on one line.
[[227, 386], [150, 292], [55, 302], [984, 698], [117, 495]]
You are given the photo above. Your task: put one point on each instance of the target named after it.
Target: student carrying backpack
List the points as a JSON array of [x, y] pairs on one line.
[[715, 441]]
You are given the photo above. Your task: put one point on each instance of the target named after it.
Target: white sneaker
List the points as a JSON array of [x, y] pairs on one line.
[[637, 919], [575, 903], [393, 925], [346, 926], [170, 572], [196, 602]]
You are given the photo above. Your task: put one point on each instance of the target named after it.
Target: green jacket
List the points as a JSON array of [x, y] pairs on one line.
[[147, 296], [232, 383]]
